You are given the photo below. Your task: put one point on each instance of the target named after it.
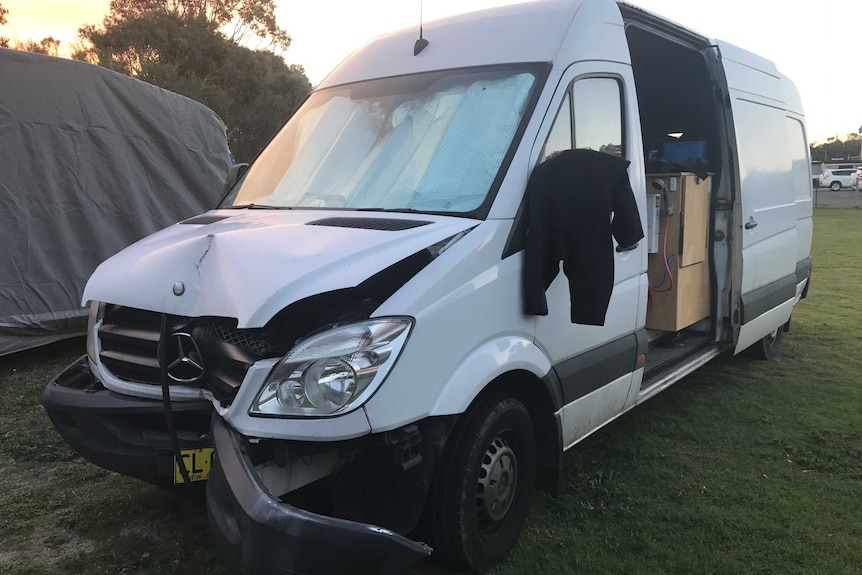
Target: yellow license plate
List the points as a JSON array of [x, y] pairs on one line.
[[197, 463]]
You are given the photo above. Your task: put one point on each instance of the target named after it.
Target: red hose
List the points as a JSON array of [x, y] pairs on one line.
[[651, 290]]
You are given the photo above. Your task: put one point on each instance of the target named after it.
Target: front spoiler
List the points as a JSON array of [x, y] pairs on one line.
[[263, 535], [119, 432]]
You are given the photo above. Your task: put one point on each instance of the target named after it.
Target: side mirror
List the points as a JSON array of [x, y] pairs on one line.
[[233, 175]]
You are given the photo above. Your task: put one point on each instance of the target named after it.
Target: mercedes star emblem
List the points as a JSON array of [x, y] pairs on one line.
[[188, 364]]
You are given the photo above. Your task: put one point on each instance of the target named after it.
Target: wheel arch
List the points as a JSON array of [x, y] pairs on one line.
[[543, 398], [512, 365]]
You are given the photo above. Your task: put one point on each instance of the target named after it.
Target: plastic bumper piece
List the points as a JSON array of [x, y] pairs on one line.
[[263, 535], [119, 432]]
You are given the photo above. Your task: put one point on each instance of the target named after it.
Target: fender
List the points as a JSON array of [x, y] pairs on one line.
[[483, 365]]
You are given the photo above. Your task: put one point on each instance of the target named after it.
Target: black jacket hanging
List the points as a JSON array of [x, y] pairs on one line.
[[575, 202]]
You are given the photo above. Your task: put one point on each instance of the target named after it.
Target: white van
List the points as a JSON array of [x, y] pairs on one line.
[[354, 310]]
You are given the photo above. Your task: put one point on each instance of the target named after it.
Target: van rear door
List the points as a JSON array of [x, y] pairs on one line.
[[765, 208]]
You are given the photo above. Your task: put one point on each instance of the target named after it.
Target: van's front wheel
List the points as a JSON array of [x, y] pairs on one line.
[[484, 485]]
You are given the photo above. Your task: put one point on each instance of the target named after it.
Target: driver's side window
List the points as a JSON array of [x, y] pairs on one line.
[[597, 111]]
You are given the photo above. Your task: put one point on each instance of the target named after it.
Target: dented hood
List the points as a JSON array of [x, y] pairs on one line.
[[250, 264]]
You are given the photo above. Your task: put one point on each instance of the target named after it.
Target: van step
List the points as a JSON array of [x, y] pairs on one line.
[[664, 353]]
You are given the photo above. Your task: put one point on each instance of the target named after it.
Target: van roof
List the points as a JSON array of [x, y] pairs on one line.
[[473, 39], [554, 31]]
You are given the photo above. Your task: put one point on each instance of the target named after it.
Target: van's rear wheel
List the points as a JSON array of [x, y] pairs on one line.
[[835, 186], [482, 491], [769, 347]]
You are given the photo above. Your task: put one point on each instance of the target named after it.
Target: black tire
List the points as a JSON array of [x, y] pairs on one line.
[[835, 186], [483, 487], [769, 347]]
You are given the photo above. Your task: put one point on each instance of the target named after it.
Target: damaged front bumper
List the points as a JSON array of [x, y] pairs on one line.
[[263, 535], [119, 432]]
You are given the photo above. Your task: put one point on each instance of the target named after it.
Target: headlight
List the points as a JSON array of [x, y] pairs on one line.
[[331, 371], [97, 312]]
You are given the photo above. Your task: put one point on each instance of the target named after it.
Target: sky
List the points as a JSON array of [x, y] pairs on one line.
[[818, 46]]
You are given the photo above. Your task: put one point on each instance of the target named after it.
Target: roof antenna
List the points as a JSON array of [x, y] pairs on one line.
[[421, 43]]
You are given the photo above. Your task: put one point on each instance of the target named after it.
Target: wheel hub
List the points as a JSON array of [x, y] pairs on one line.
[[498, 481]]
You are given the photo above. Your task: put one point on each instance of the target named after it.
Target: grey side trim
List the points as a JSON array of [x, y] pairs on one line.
[[803, 272], [756, 303], [555, 389], [643, 341], [596, 368]]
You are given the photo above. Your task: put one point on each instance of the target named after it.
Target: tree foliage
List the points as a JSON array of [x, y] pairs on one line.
[[242, 18], [192, 47], [47, 45], [4, 42], [849, 149]]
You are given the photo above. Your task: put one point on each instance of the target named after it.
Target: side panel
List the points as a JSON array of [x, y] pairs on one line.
[[582, 417], [766, 323], [470, 327], [766, 202]]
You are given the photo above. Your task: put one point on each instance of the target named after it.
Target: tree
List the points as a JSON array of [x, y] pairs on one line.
[[47, 45], [181, 45], [847, 150], [244, 18], [4, 42]]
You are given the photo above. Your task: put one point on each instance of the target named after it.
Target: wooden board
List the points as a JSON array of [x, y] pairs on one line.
[[695, 220], [688, 301]]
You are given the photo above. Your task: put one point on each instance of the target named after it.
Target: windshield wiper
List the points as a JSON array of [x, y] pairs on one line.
[[256, 207], [393, 210]]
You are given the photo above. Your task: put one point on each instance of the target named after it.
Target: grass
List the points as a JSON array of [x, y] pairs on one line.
[[743, 467], [61, 514]]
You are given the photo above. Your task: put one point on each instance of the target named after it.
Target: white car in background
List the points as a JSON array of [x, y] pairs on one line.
[[836, 179]]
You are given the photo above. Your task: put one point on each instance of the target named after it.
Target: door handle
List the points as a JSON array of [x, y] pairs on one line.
[[621, 249], [750, 224]]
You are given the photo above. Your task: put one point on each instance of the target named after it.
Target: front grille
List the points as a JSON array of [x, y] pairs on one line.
[[239, 338], [129, 340], [218, 354]]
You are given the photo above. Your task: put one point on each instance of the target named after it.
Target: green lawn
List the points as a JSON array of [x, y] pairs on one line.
[[743, 467]]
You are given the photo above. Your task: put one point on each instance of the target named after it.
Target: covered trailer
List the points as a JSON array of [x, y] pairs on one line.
[[90, 162]]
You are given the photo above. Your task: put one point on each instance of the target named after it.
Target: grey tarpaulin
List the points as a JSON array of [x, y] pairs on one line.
[[90, 162]]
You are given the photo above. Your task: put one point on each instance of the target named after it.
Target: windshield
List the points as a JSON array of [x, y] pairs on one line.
[[426, 142]]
